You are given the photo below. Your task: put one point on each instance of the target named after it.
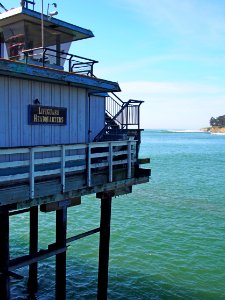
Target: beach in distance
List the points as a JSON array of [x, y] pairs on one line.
[[167, 237]]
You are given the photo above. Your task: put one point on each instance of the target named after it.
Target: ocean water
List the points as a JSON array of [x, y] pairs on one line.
[[167, 237]]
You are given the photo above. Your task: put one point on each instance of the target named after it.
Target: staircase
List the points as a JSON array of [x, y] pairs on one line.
[[120, 116]]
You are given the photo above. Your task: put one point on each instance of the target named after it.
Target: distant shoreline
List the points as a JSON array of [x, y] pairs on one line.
[[213, 129]]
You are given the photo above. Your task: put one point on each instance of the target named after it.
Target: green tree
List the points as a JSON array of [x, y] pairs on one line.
[[219, 121]]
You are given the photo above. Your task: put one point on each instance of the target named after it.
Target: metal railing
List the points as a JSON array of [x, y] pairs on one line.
[[30, 164], [113, 105], [26, 3], [121, 115], [52, 58]]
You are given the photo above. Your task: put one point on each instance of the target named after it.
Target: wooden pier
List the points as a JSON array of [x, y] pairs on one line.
[[9, 266], [64, 134]]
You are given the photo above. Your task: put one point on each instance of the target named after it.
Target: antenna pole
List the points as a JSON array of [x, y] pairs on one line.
[[42, 24]]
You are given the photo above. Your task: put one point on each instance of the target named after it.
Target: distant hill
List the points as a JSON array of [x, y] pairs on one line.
[[217, 125]]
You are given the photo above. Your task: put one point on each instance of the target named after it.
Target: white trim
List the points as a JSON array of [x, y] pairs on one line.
[[30, 169], [32, 173], [110, 160], [63, 165]]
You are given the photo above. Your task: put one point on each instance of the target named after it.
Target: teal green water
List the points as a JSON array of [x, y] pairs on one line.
[[167, 237]]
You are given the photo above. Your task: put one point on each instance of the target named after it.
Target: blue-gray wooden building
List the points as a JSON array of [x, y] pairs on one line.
[[64, 133]]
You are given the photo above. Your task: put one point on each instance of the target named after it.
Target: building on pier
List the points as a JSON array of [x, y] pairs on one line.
[[64, 133]]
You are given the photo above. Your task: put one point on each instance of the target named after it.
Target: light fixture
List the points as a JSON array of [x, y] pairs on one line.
[[36, 101], [52, 13]]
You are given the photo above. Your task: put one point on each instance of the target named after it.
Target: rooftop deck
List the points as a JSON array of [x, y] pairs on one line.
[[60, 60], [49, 74]]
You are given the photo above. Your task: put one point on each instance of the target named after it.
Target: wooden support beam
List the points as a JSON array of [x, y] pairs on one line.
[[58, 205], [142, 161], [52, 250], [106, 203], [82, 235], [61, 226], [4, 255], [140, 172], [26, 260], [17, 212], [15, 275], [33, 268]]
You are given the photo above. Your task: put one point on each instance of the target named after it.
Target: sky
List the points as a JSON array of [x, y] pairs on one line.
[[169, 53]]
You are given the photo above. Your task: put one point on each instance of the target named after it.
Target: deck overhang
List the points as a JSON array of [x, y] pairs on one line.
[[39, 73], [29, 178], [18, 196]]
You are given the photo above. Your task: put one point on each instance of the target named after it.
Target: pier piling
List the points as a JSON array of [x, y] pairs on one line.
[[4, 255], [33, 249], [61, 227], [106, 204]]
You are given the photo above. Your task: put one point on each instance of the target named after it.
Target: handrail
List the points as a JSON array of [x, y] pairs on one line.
[[76, 64], [122, 115], [120, 100], [113, 106], [32, 163]]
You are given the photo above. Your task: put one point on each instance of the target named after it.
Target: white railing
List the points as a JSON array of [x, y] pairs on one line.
[[31, 163]]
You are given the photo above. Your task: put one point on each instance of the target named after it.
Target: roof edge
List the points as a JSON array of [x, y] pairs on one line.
[[31, 13]]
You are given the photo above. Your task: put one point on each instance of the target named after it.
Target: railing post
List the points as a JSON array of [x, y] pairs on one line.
[[26, 57], [31, 173], [58, 57], [129, 160], [70, 63], [43, 57], [138, 116], [110, 160], [127, 117], [89, 165], [63, 160], [122, 120], [92, 65]]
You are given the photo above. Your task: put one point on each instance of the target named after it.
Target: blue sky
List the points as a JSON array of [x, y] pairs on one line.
[[169, 53]]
